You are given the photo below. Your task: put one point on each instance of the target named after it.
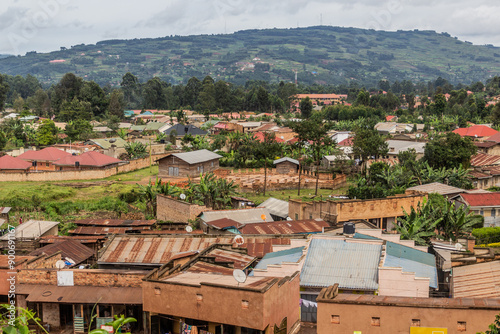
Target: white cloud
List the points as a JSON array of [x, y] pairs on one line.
[[90, 21]]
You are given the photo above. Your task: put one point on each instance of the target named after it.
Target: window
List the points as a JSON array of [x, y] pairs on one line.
[[493, 212], [199, 297], [296, 216], [244, 304], [310, 216], [461, 326], [376, 321], [157, 291], [47, 164], [415, 322], [212, 163], [336, 319], [198, 168], [481, 212]]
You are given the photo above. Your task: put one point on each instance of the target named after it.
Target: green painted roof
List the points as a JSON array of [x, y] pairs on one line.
[[106, 143], [153, 126]]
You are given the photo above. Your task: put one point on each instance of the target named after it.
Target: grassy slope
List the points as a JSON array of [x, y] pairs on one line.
[[337, 55]]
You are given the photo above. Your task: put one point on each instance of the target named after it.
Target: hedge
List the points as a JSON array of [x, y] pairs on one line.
[[486, 235]]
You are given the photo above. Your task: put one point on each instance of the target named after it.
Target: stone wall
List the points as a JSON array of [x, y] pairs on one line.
[[169, 209]]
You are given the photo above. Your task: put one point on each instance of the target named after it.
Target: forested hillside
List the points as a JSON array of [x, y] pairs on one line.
[[321, 55]]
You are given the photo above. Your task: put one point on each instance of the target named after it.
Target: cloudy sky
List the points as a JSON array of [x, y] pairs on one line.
[[47, 25]]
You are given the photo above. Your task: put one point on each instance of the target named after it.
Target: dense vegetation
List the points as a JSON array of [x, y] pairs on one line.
[[320, 55]]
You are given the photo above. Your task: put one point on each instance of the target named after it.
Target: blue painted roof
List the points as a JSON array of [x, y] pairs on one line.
[[364, 236], [353, 265], [288, 255], [412, 260]]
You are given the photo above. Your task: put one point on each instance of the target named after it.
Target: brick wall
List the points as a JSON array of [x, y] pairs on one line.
[[82, 277], [169, 209], [78, 175]]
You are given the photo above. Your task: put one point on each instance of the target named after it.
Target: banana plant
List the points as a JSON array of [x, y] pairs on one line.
[[118, 323]]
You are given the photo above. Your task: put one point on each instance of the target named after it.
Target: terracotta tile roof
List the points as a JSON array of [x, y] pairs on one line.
[[476, 131], [489, 199], [11, 163], [92, 158], [47, 154], [259, 136], [483, 159]]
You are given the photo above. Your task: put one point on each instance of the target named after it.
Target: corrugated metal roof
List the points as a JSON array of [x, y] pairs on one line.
[[439, 303], [209, 268], [68, 248], [223, 223], [409, 253], [50, 239], [195, 157], [285, 227], [420, 270], [114, 222], [477, 280], [5, 209], [291, 255], [353, 265], [438, 188], [286, 159], [239, 260], [160, 249], [81, 294], [191, 278], [276, 207], [397, 146], [483, 159], [32, 229], [106, 143], [484, 200], [244, 216], [101, 230]]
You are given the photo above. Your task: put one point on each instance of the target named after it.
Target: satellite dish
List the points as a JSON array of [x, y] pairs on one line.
[[239, 276], [60, 264], [283, 137], [239, 240], [289, 219], [458, 246], [189, 229], [183, 196], [263, 217]]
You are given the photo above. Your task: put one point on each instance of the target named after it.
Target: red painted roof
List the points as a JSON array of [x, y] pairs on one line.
[[92, 158], [488, 199], [259, 136], [476, 131], [389, 118], [8, 162], [495, 138], [346, 142], [47, 154]]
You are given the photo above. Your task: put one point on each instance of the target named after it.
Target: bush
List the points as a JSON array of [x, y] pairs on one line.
[[486, 235]]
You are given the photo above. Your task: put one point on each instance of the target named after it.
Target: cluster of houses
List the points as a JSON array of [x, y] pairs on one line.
[[334, 263]]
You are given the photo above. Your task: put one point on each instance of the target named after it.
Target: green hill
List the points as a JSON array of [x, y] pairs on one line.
[[323, 55]]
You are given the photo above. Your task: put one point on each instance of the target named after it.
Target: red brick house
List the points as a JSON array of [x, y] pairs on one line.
[[87, 160], [44, 159], [10, 164]]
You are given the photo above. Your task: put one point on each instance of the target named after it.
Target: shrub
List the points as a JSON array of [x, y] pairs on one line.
[[487, 235]]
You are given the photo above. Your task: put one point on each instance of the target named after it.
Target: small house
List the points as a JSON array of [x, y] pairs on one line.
[[286, 165], [188, 164]]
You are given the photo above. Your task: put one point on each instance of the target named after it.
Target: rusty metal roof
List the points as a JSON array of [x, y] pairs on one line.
[[4, 260], [223, 223], [442, 303], [477, 280], [483, 159], [286, 227], [81, 294], [146, 249], [50, 239], [92, 230], [114, 222], [69, 249], [204, 267], [191, 278], [239, 260]]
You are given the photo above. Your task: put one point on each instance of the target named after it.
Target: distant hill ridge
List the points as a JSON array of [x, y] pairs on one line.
[[321, 54]]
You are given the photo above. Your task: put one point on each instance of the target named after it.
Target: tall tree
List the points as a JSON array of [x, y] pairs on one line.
[[116, 104], [368, 142], [449, 151], [306, 107], [47, 133], [4, 89]]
